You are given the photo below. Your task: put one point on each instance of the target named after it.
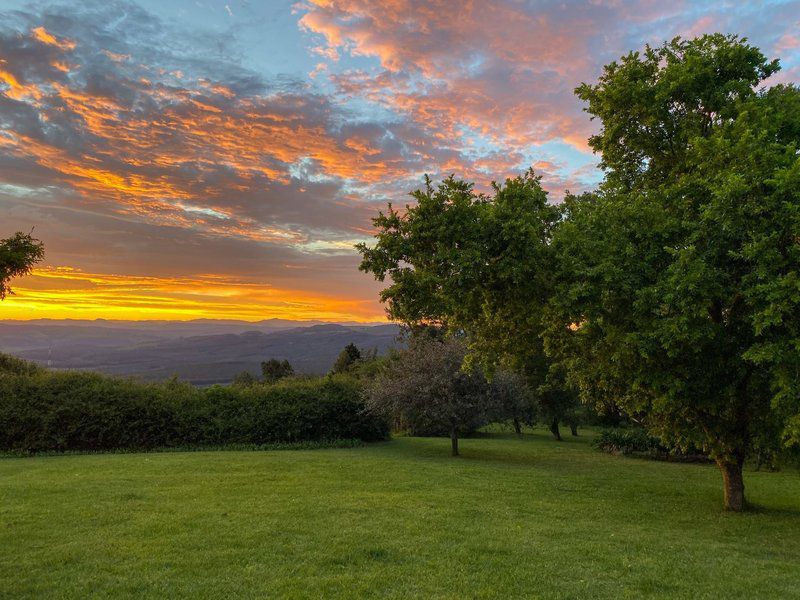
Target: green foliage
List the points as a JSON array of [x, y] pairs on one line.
[[476, 264], [59, 411], [347, 360], [18, 255], [274, 370], [17, 366], [307, 445], [512, 400], [656, 104], [244, 379], [678, 294], [371, 364], [627, 441], [426, 390], [635, 441]]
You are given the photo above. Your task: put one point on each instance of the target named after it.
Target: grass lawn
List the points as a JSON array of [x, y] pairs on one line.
[[513, 517]]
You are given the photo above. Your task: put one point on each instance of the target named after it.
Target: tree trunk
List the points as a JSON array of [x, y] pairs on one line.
[[573, 428], [734, 484], [517, 426], [454, 441], [554, 430]]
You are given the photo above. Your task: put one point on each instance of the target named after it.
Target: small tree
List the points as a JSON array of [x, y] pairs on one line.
[[18, 255], [274, 370], [512, 400], [426, 387], [559, 403], [244, 379], [348, 358]]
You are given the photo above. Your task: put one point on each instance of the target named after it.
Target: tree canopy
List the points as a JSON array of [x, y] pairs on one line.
[[678, 295], [672, 292], [426, 390], [348, 358], [479, 264], [18, 255], [274, 370]]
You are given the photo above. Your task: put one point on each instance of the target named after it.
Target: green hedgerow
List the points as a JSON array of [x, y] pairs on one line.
[[46, 411]]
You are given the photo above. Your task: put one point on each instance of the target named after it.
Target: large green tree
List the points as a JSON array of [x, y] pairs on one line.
[[679, 294], [479, 264], [18, 255]]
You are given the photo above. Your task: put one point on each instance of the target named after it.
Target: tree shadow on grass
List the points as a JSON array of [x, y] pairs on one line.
[[531, 450], [756, 509]]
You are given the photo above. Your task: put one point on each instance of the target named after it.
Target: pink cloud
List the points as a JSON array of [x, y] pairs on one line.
[[787, 42]]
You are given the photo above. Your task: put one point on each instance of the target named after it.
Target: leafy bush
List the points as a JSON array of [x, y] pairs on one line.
[[11, 364], [44, 410], [627, 441], [636, 441]]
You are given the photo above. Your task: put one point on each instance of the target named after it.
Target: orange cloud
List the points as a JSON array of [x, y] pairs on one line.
[[17, 90], [137, 159], [41, 34]]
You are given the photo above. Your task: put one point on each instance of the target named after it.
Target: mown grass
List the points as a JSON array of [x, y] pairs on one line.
[[513, 517]]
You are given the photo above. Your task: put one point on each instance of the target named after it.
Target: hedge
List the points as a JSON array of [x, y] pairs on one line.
[[46, 411]]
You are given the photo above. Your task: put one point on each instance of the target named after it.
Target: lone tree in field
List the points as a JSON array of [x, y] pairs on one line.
[[347, 359], [274, 370], [680, 278], [480, 264], [18, 255], [427, 389]]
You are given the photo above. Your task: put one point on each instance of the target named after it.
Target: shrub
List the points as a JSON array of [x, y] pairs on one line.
[[11, 364], [44, 410], [627, 441], [635, 441]]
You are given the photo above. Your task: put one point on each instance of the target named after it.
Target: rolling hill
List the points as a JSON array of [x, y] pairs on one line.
[[202, 352]]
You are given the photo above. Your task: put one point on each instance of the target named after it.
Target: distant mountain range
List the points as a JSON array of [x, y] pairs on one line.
[[202, 351]]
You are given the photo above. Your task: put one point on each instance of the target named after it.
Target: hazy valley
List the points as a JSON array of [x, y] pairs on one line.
[[202, 351]]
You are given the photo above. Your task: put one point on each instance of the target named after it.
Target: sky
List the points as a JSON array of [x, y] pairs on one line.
[[187, 159]]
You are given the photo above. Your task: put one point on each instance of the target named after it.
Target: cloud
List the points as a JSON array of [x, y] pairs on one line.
[[132, 152], [150, 140], [503, 72], [140, 148]]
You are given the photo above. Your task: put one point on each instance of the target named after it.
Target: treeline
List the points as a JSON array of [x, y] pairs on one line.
[[670, 294], [42, 410]]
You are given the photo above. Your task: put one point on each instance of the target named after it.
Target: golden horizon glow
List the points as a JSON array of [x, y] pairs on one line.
[[67, 293]]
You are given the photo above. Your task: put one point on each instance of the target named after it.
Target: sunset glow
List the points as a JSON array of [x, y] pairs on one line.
[[66, 293], [207, 159]]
